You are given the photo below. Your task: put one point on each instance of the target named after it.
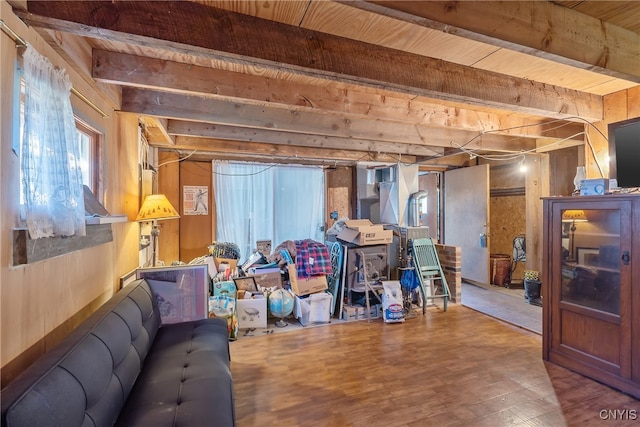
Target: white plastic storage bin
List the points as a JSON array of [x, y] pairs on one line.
[[314, 309]]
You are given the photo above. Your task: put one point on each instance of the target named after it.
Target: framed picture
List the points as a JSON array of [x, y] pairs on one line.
[[182, 291], [246, 284], [588, 256], [566, 227]]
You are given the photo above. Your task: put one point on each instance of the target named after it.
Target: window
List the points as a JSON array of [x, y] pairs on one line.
[[262, 202], [89, 142], [90, 145]]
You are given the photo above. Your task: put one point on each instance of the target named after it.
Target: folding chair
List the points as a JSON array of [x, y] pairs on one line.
[[429, 270], [333, 280]]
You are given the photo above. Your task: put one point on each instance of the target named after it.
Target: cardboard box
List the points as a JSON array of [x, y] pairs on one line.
[[358, 224], [306, 285], [362, 232], [356, 312], [252, 313], [233, 263], [267, 278]]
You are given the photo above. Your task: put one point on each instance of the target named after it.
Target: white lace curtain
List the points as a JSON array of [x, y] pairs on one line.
[[258, 202], [52, 179]]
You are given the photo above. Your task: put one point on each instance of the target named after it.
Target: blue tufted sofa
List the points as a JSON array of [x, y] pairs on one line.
[[122, 367]]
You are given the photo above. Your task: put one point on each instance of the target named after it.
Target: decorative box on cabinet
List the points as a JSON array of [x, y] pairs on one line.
[[591, 287]]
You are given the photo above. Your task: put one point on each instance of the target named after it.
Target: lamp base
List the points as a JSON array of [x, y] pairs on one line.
[[155, 232], [281, 323]]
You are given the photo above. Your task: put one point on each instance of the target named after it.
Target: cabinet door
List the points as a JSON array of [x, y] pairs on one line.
[[591, 288]]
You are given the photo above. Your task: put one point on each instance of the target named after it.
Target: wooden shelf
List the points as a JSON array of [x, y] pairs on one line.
[[109, 219], [27, 251]]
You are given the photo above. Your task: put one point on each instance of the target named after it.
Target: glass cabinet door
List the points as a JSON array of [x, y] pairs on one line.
[[591, 291], [591, 258]]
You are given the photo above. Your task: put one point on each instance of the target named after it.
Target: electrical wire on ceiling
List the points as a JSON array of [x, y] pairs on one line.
[[473, 153], [509, 156], [595, 157], [513, 156], [178, 160]]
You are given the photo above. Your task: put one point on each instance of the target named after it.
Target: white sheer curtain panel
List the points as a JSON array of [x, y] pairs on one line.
[[244, 194], [299, 204], [52, 179], [257, 201]]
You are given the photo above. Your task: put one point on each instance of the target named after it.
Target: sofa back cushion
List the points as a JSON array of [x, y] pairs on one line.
[[86, 379]]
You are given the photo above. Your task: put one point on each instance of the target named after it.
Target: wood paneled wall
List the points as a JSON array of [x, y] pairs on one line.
[[41, 302], [340, 193], [196, 231], [169, 185], [618, 106], [507, 210], [562, 170], [536, 186]]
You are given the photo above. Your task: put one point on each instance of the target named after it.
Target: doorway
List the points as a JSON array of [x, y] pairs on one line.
[[466, 218]]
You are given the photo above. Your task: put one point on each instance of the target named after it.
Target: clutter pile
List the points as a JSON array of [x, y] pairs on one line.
[[292, 280]]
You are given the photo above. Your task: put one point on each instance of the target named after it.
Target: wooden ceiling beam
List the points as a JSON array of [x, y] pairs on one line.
[[158, 74], [207, 156], [539, 28], [156, 129], [545, 145], [222, 112], [242, 150], [209, 130], [196, 29]]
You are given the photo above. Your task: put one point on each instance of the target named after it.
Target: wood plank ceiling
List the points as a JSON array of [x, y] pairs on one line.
[[337, 82]]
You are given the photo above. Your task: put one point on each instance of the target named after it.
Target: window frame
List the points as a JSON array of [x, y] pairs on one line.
[[96, 155]]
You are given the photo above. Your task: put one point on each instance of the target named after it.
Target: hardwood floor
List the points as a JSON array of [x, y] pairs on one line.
[[454, 368]]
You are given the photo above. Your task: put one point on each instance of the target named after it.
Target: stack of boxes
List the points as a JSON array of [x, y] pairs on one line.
[[362, 232]]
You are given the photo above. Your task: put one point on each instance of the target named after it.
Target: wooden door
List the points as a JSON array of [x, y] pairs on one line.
[[591, 295], [466, 218]]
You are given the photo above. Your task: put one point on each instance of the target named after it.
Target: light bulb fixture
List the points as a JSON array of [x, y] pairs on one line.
[[522, 166]]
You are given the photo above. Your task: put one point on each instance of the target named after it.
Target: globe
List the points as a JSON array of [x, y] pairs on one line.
[[281, 303]]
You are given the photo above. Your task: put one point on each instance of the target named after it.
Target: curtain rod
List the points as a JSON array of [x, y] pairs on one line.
[[20, 42]]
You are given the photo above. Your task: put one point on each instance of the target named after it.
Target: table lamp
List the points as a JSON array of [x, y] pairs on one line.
[[573, 216], [156, 207]]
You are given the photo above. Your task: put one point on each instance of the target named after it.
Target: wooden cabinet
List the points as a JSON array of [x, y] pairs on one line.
[[591, 287]]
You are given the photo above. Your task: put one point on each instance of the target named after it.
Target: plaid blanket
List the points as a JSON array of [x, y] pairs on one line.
[[312, 258]]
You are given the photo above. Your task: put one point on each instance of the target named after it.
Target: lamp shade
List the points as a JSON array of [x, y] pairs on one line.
[[576, 215], [155, 207]]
